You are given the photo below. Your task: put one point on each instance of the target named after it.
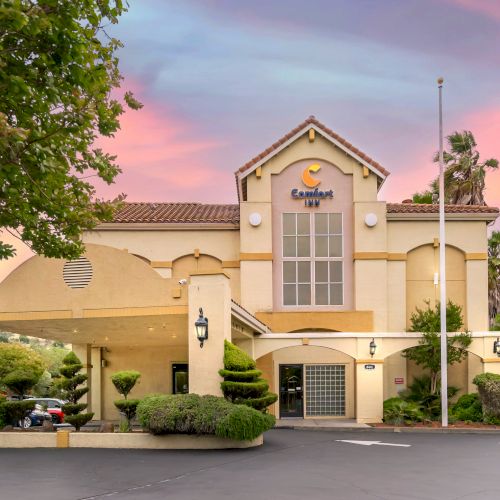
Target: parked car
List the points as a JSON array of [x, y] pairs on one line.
[[35, 417], [54, 407]]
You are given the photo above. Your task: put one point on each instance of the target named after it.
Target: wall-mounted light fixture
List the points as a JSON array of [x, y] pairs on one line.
[[496, 347], [436, 279], [201, 328], [373, 347]]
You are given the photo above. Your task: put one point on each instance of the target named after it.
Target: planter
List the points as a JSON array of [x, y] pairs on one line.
[[127, 440]]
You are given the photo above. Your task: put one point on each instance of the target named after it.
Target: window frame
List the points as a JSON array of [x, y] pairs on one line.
[[312, 259]]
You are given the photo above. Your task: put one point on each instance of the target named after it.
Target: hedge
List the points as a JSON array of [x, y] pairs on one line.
[[201, 415], [468, 409], [488, 386]]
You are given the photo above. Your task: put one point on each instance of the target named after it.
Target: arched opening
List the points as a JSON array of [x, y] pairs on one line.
[[422, 278], [183, 267], [311, 381]]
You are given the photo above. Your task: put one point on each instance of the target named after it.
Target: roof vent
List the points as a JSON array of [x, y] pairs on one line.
[[77, 273]]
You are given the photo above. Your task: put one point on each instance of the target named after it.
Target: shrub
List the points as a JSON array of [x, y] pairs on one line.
[[488, 386], [20, 382], [125, 381], [209, 415], [397, 411], [11, 412], [242, 383], [420, 392], [71, 379], [468, 409]]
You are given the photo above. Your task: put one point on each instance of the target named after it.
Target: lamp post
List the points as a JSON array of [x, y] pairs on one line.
[[201, 328], [442, 268], [496, 347], [373, 347]]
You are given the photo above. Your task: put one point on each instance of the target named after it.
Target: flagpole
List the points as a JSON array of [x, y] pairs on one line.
[[442, 268]]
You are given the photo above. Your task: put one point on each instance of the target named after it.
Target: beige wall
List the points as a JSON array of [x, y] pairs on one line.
[[155, 365]]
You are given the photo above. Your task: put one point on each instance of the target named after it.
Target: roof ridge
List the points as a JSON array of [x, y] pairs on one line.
[[313, 120]]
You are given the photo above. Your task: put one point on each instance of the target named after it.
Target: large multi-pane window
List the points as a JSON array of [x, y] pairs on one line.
[[312, 259]]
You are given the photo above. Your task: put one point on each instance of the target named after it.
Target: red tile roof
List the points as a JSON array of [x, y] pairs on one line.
[[415, 208], [313, 121], [196, 213]]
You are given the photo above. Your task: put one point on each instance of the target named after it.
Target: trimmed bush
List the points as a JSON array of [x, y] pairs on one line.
[[208, 415], [72, 393], [242, 383], [125, 381], [468, 409], [11, 412], [397, 411], [20, 382], [488, 386]]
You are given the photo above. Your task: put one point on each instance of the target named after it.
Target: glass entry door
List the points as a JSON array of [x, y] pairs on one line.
[[291, 391], [180, 378]]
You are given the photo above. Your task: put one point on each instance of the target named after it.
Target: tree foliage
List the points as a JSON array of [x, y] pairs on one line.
[[70, 383], [17, 357], [464, 175], [428, 353], [58, 70], [494, 277], [242, 383]]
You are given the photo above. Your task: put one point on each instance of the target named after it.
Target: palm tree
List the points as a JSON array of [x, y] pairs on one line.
[[494, 275], [464, 173]]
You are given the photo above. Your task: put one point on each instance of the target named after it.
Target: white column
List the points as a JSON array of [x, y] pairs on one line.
[[96, 383], [212, 293]]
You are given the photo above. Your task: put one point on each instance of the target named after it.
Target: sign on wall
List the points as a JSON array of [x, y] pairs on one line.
[[311, 197]]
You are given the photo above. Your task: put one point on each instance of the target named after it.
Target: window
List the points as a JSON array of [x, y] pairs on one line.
[[312, 259]]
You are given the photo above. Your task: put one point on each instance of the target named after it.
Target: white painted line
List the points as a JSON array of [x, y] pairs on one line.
[[370, 443]]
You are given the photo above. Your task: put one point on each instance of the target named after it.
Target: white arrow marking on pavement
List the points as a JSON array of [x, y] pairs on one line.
[[370, 443]]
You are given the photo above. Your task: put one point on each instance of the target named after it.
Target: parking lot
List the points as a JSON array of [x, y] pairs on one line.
[[291, 465]]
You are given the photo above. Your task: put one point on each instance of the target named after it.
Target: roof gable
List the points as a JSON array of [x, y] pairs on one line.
[[299, 131]]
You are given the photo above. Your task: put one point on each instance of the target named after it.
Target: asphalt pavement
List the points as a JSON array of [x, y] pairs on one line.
[[291, 464]]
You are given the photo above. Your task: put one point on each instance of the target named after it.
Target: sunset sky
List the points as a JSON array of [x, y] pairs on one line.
[[221, 80]]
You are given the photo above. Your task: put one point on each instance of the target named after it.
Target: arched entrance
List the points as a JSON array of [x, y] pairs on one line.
[[311, 382]]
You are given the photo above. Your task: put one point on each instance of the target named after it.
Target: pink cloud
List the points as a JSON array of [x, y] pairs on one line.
[[489, 8], [163, 158]]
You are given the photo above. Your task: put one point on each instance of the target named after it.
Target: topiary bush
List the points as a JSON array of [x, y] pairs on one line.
[[488, 386], [13, 412], [468, 408], [242, 383], [124, 382], [20, 382], [208, 415], [70, 381]]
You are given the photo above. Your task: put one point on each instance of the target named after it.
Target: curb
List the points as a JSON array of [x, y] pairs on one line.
[[409, 430]]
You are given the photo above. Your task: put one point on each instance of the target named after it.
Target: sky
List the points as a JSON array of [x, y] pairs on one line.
[[221, 80]]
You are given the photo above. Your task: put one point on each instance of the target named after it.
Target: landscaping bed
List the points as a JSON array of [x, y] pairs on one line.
[[437, 425]]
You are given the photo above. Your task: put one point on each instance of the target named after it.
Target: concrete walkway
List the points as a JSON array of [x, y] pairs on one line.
[[319, 423]]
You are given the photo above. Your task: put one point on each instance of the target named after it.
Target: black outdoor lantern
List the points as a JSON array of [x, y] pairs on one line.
[[373, 347], [496, 347], [201, 326]]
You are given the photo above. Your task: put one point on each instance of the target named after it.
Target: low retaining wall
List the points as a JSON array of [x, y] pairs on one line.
[[130, 440]]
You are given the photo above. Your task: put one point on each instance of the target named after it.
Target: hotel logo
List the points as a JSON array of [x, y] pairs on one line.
[[313, 197]]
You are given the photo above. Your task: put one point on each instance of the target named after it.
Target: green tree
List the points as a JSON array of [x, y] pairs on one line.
[[4, 338], [494, 276], [17, 357], [428, 353], [20, 382], [70, 383], [52, 356], [58, 71], [124, 382], [242, 383], [464, 176]]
